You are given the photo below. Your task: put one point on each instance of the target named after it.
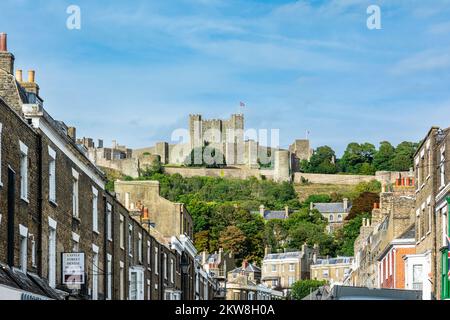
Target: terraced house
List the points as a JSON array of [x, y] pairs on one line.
[[62, 234], [432, 217]]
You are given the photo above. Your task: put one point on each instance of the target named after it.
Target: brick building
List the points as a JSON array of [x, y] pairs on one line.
[[332, 270], [429, 265], [281, 270]]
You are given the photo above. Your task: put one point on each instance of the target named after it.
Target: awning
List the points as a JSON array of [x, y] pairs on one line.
[[17, 285], [10, 293]]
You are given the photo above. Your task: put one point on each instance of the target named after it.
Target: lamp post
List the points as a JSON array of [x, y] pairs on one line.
[[184, 264]]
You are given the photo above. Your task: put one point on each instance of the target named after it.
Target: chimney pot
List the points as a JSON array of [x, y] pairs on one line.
[[3, 42], [72, 133], [31, 76], [19, 75]]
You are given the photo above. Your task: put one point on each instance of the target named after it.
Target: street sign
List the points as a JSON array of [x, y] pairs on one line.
[[73, 268]]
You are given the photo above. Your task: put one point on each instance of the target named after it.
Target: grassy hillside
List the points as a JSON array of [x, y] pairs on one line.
[[304, 191]]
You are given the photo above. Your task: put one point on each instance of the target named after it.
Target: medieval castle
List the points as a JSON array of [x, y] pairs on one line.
[[232, 150]]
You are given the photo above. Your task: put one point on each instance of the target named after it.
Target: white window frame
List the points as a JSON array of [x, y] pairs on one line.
[[122, 232], [52, 252], [95, 210], [109, 276], [149, 253], [291, 267], [140, 247], [442, 167], [430, 215], [76, 242], [172, 270], [165, 266], [121, 280], [139, 283], [444, 212], [109, 221], [23, 171], [130, 239], [95, 270], [51, 175], [23, 252], [75, 193], [274, 268]]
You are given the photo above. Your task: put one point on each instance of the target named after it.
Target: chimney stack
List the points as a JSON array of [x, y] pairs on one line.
[[267, 251], [311, 205], [3, 42], [6, 58], [204, 253], [261, 210], [19, 77], [72, 133], [345, 204], [31, 76], [286, 212]]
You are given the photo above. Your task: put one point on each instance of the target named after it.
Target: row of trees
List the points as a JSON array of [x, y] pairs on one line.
[[226, 214], [362, 159]]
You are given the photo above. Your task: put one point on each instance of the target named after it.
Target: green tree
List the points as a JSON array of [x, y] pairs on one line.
[[355, 156], [403, 159], [346, 236], [303, 288], [232, 239], [322, 161], [382, 159]]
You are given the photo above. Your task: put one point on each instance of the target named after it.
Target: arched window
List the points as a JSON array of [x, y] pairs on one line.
[[331, 217], [339, 218]]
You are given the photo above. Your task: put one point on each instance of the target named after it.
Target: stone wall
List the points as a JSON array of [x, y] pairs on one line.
[[237, 173], [347, 179], [331, 178]]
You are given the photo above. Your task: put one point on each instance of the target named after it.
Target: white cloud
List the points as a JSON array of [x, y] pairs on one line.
[[430, 60]]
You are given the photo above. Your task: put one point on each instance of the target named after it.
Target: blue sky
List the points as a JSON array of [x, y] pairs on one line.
[[137, 69]]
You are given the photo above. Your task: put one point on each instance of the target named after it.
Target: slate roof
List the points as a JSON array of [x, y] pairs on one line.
[[333, 207], [284, 255], [250, 268], [410, 233], [270, 214], [29, 282], [334, 260]]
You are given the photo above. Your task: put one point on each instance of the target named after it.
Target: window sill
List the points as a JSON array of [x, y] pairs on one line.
[[25, 200], [1, 184], [53, 202], [110, 240], [96, 232], [121, 247], [76, 218], [428, 233]]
